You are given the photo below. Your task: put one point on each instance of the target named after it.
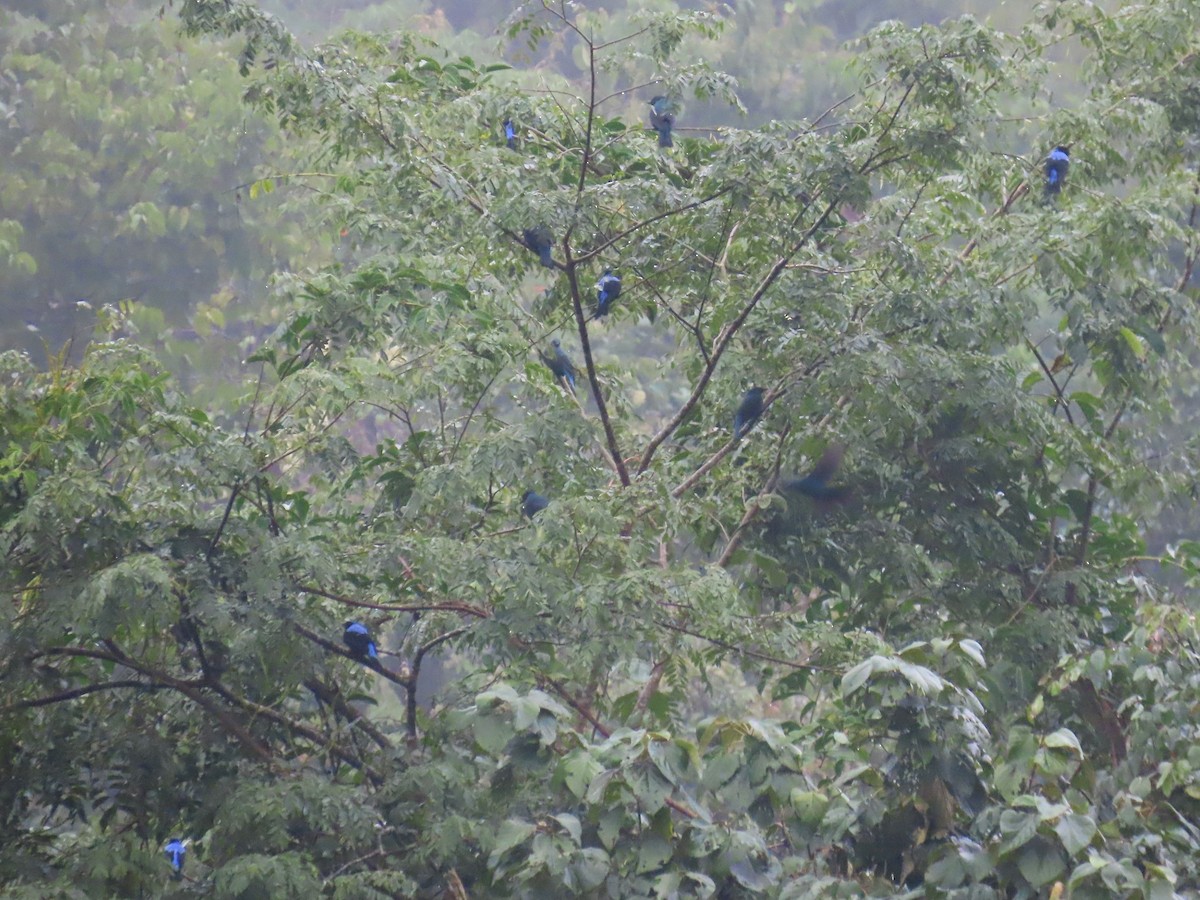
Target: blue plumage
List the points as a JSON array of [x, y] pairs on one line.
[[661, 119], [510, 135], [175, 852], [816, 483], [560, 364], [533, 503], [1057, 164], [541, 242], [357, 638], [748, 412], [608, 289]]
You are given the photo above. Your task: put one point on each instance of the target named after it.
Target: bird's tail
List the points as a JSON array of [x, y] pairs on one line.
[[547, 257]]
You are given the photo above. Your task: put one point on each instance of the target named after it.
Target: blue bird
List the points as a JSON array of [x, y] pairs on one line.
[[510, 136], [541, 242], [533, 503], [560, 364], [1057, 164], [748, 412], [358, 639], [175, 852], [661, 120], [608, 289], [816, 483]]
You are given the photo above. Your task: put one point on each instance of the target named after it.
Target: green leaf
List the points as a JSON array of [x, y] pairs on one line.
[[860, 674], [1076, 832], [510, 834], [1135, 343], [1063, 738], [972, 649], [1040, 862], [571, 824]]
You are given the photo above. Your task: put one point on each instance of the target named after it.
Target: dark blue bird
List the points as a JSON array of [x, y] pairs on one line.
[[533, 503], [608, 289], [1057, 164], [175, 852], [748, 412], [661, 120], [541, 242], [358, 638], [560, 364], [816, 483], [510, 136]]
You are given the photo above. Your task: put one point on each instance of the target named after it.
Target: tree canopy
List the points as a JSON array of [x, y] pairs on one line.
[[963, 665]]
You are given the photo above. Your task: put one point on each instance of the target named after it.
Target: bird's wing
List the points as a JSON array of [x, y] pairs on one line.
[[828, 464]]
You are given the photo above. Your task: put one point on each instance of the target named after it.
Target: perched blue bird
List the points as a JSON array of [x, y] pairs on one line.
[[816, 483], [608, 289], [661, 120], [358, 639], [175, 852], [748, 412], [560, 364], [541, 242], [533, 503], [1057, 164], [510, 136]]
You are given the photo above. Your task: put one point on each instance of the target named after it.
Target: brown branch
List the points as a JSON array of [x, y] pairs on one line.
[[1062, 400], [651, 685], [799, 373], [723, 340], [754, 509], [456, 888], [194, 692], [411, 689], [610, 434], [334, 698], [74, 693], [212, 547], [741, 651], [578, 705], [1189, 263], [394, 677], [299, 728], [1085, 530], [1099, 712], [464, 608], [1017, 193]]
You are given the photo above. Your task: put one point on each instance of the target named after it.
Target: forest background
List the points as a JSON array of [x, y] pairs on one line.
[[272, 363]]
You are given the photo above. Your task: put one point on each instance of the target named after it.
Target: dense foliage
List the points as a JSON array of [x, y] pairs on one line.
[[971, 676], [127, 161]]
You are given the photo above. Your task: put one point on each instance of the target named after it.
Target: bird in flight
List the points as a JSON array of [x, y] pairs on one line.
[[816, 483]]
